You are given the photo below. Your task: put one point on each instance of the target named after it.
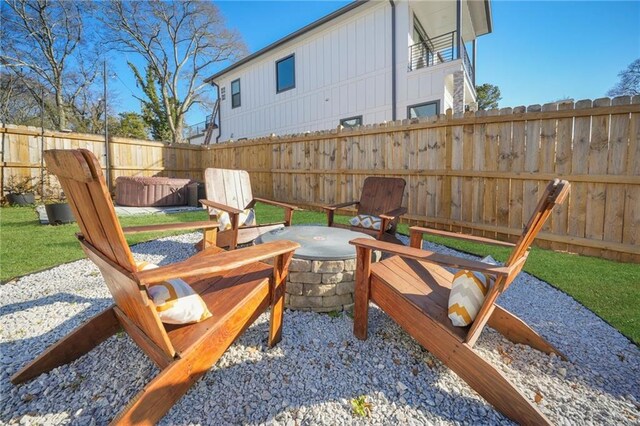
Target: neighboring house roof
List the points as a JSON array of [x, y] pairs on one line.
[[483, 4], [290, 37]]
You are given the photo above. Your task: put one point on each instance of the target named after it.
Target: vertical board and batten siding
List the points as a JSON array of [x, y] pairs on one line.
[[342, 70], [480, 173]]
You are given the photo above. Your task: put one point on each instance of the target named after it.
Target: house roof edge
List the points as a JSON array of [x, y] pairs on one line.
[[295, 34]]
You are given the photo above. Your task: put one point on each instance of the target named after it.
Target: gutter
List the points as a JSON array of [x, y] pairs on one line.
[[487, 11], [393, 60]]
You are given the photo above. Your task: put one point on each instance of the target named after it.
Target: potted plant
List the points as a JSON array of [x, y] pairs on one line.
[[58, 210], [20, 190], [55, 204]]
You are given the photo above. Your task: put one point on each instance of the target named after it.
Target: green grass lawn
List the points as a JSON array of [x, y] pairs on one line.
[[610, 289]]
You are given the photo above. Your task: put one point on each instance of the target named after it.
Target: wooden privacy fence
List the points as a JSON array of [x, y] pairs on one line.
[[22, 146], [480, 172]]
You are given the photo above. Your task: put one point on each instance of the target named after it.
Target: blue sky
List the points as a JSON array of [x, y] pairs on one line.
[[539, 51]]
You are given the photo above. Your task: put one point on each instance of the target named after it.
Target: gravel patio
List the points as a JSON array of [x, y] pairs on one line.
[[318, 368]]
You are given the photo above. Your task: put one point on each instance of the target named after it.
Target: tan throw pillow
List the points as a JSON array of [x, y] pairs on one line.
[[468, 291], [247, 218], [175, 300], [367, 221]]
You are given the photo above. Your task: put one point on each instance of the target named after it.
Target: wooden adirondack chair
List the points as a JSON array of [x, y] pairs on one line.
[[413, 289], [230, 191], [236, 287], [382, 197]]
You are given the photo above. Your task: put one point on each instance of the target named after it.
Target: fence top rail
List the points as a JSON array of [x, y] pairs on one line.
[[35, 131], [584, 108]]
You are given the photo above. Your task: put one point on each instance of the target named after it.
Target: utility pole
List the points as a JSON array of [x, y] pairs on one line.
[[106, 128], [42, 145]]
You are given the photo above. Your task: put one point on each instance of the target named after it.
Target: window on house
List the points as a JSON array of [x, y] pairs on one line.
[[351, 121], [286, 73], [426, 109], [235, 93]]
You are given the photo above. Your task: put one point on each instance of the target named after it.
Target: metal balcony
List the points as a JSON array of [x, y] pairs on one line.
[[438, 50]]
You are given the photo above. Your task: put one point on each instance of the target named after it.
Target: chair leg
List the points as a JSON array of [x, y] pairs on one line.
[[458, 356], [491, 384], [516, 330], [71, 347], [361, 305], [159, 395], [277, 289]]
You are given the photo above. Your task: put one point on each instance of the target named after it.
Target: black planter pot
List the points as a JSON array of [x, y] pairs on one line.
[[21, 199], [59, 213]]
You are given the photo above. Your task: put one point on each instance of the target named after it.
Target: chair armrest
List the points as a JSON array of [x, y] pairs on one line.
[[420, 230], [394, 213], [219, 206], [170, 227], [429, 256], [339, 206], [213, 262], [277, 204]]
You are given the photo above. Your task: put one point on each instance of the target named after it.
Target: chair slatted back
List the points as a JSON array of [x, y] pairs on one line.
[[103, 241], [555, 193], [381, 195], [229, 187]]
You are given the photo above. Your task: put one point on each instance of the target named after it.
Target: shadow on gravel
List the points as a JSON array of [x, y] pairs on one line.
[[170, 250], [28, 349]]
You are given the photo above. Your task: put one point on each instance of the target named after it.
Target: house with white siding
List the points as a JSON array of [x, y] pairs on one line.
[[368, 62]]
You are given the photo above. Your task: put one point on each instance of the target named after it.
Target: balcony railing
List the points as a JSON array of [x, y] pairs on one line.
[[438, 50], [194, 129], [198, 128]]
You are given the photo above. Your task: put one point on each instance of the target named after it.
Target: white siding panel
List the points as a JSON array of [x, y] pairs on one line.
[[352, 91], [343, 53], [351, 43], [335, 57], [361, 94], [360, 47]]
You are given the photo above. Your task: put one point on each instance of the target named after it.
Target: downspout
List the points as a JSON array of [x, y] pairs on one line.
[[458, 28], [393, 60], [474, 62], [219, 114]]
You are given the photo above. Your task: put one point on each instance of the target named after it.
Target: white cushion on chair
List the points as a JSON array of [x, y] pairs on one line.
[[468, 291], [247, 218], [175, 300], [367, 221]]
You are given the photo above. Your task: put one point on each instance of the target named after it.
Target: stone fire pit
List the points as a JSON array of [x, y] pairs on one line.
[[322, 271]]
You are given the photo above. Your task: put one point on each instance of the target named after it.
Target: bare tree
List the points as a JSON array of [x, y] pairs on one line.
[[629, 83], [181, 42], [17, 105], [45, 45]]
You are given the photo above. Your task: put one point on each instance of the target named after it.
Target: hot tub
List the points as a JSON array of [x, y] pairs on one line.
[[133, 191]]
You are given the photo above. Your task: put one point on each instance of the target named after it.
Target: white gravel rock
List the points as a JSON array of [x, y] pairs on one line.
[[312, 376]]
